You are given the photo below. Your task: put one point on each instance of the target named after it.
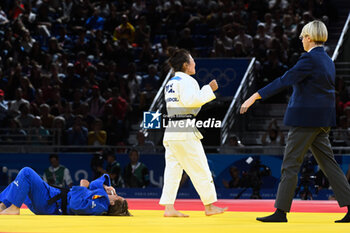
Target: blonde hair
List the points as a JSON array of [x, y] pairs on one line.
[[317, 31]]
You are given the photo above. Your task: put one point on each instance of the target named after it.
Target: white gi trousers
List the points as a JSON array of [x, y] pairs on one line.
[[187, 155]]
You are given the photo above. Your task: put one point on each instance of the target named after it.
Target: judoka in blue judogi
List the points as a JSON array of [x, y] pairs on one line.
[[95, 198]]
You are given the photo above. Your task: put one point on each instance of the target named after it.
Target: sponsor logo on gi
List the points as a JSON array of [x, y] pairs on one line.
[[174, 99], [151, 120], [16, 183]]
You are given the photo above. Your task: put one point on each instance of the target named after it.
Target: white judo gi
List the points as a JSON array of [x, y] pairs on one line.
[[183, 148]]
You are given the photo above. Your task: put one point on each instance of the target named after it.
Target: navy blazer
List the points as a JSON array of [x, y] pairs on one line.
[[312, 103]]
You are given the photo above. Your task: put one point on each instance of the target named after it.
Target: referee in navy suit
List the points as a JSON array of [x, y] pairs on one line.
[[310, 115]]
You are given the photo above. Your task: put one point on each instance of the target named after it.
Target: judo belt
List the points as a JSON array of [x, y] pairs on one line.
[[61, 196], [181, 117]]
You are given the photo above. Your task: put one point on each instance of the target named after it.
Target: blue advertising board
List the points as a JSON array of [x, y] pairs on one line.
[[220, 164], [228, 73]]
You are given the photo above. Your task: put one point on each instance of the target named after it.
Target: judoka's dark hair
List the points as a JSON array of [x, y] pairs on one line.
[[120, 208], [178, 58]]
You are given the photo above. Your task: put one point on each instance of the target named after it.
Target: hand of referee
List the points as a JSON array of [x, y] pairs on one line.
[[249, 102]]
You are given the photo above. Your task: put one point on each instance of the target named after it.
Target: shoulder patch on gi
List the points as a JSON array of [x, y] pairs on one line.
[[176, 78], [96, 196]]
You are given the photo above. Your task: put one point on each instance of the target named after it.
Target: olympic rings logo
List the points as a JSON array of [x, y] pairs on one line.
[[224, 77]]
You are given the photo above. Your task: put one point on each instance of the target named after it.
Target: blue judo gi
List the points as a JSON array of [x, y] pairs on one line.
[[30, 189]]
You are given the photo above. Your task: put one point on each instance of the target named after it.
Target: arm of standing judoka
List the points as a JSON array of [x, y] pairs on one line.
[[191, 97]]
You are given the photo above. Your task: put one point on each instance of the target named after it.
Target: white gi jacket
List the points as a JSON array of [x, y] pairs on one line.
[[183, 96]]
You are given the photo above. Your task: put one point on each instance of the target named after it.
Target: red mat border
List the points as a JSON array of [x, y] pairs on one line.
[[241, 205]]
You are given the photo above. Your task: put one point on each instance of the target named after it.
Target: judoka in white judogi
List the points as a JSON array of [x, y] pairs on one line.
[[184, 150]]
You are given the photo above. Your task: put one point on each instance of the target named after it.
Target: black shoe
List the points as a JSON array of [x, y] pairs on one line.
[[345, 219], [275, 217]]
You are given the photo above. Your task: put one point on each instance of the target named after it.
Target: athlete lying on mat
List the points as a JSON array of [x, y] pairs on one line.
[[95, 198]]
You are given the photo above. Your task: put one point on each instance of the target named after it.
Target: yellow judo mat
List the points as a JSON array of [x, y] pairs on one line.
[[153, 221]]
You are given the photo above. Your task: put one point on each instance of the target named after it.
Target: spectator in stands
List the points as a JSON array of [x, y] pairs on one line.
[[77, 134], [3, 17], [238, 50], [132, 83], [288, 26], [57, 174], [261, 35], [96, 102], [97, 162], [219, 50], [149, 87], [150, 81], [59, 128], [97, 136], [186, 41], [45, 116], [95, 22], [119, 110], [136, 174], [269, 24], [37, 102], [15, 134], [67, 114], [77, 101], [144, 146], [273, 67], [25, 117], [37, 133], [27, 88], [71, 81], [233, 146], [245, 39], [341, 135], [147, 56], [125, 55], [46, 87], [114, 170], [235, 181], [125, 30], [14, 104], [273, 136], [3, 108], [278, 32], [142, 31]]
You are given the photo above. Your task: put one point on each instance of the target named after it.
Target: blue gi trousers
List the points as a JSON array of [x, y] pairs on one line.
[[30, 189]]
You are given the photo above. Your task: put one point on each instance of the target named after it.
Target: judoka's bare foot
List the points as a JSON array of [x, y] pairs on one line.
[[2, 206], [12, 210], [170, 211], [212, 210]]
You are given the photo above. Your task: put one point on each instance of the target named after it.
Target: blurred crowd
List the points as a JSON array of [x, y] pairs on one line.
[[88, 68]]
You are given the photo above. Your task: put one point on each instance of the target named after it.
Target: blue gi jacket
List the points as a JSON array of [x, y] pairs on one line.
[[30, 189], [89, 201], [312, 103]]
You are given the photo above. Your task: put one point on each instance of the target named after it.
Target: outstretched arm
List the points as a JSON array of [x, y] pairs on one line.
[[196, 99], [249, 102]]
